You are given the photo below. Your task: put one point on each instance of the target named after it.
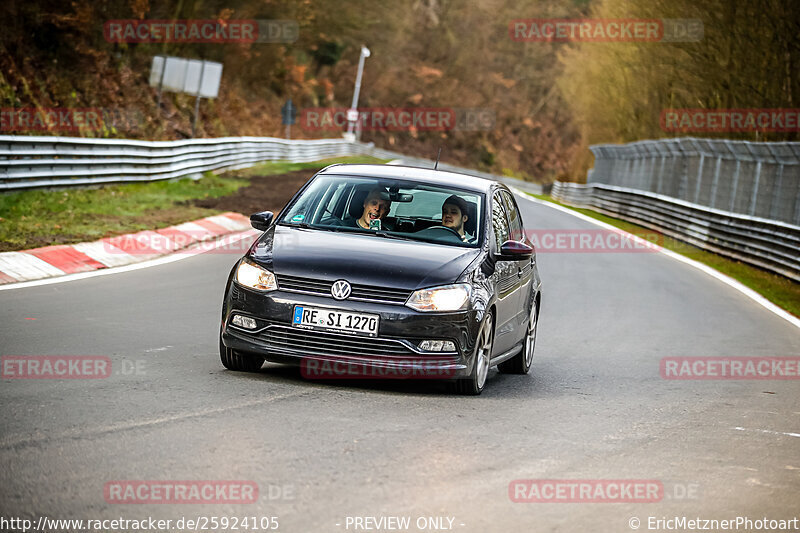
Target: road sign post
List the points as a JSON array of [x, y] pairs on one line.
[[288, 116], [365, 53], [190, 76]]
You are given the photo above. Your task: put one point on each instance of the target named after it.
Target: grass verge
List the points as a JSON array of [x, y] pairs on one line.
[[779, 290], [30, 219]]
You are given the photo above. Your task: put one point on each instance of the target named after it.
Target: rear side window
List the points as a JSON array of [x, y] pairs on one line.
[[499, 221], [514, 218]]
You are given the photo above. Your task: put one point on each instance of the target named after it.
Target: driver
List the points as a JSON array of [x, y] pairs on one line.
[[454, 215], [376, 207]]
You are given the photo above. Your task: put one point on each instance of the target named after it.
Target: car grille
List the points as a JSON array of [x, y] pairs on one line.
[[325, 344], [364, 293]]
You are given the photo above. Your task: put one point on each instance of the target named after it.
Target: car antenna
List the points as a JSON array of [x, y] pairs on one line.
[[436, 165]]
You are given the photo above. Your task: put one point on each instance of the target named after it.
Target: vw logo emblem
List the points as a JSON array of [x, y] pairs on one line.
[[340, 290]]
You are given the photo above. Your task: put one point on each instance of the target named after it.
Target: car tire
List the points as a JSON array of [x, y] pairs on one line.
[[521, 363], [474, 384], [241, 362]]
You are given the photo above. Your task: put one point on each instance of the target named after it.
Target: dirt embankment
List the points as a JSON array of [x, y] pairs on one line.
[[265, 193]]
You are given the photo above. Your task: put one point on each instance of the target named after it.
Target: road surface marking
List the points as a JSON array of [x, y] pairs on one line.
[[750, 293], [768, 431]]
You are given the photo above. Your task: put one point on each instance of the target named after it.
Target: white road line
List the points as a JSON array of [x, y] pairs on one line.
[[768, 431], [750, 293], [192, 251]]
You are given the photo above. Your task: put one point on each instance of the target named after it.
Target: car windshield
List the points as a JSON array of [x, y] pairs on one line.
[[389, 208]]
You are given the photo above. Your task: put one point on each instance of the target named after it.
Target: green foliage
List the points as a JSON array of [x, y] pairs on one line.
[[747, 58], [328, 53], [486, 157]]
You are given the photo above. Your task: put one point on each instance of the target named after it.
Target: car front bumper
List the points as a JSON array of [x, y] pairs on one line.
[[394, 353]]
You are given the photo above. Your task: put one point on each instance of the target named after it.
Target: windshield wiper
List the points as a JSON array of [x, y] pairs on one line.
[[392, 236], [379, 233], [347, 229], [304, 225]]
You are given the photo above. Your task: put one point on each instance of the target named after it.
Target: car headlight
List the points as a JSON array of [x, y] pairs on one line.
[[253, 276], [446, 298]]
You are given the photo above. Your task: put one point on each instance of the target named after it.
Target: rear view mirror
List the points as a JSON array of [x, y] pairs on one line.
[[401, 197], [261, 221]]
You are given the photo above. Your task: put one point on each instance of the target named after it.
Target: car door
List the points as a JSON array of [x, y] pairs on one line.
[[506, 280], [524, 267]]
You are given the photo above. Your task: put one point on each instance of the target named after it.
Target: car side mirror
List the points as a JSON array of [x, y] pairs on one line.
[[261, 221], [514, 251]]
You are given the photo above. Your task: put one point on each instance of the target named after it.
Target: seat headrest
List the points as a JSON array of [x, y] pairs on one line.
[[357, 203]]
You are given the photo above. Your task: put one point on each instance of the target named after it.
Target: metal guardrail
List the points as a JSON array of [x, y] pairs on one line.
[[30, 161], [27, 162], [749, 178], [769, 244]]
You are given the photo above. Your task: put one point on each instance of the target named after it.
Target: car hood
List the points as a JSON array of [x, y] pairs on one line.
[[361, 259]]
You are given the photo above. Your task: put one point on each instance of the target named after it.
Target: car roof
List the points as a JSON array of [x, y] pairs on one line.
[[422, 175]]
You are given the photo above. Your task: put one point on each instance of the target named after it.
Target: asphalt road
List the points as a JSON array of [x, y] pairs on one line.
[[595, 407]]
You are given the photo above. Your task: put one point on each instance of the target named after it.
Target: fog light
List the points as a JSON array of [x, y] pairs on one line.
[[437, 346], [243, 322]]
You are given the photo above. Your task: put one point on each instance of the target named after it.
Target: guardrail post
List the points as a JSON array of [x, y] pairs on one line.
[[699, 179], [715, 183], [683, 184], [776, 194], [661, 173], [797, 210], [628, 171], [735, 184], [754, 195], [637, 165]]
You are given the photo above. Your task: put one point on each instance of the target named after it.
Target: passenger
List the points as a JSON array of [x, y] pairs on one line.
[[454, 215], [376, 206]]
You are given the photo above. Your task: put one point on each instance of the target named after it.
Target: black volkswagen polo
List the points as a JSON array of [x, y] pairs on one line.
[[378, 271]]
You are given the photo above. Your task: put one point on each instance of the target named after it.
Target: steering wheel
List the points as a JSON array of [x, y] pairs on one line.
[[442, 228]]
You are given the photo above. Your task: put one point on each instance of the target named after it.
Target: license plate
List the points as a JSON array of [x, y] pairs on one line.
[[334, 320]]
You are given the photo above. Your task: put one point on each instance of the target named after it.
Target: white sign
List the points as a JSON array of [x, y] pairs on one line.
[[212, 75], [188, 76]]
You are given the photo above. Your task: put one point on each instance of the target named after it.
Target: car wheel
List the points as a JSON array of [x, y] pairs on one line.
[[242, 362], [521, 363], [473, 385]]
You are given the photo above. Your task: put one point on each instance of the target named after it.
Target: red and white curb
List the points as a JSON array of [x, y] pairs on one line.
[[61, 260]]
